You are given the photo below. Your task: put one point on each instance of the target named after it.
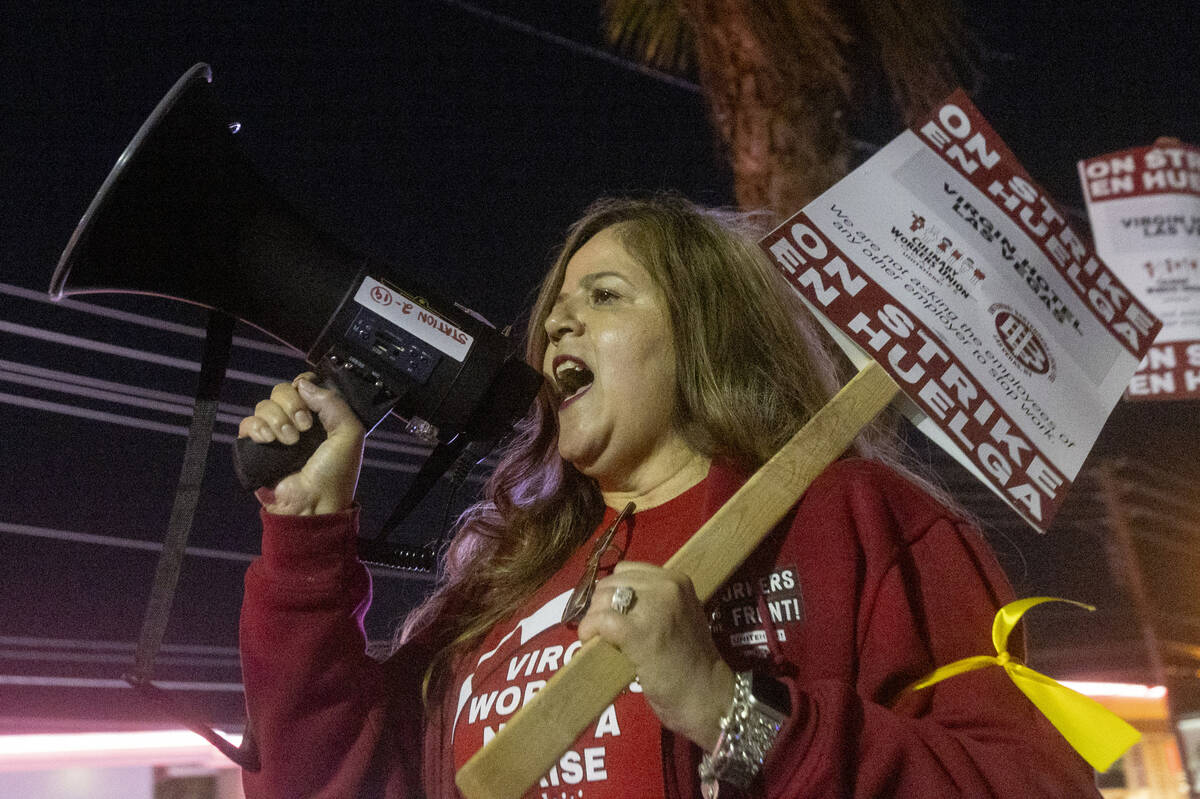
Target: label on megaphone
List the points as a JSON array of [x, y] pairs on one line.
[[409, 315]]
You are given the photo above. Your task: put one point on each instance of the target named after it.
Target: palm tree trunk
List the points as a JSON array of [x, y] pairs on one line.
[[778, 92]]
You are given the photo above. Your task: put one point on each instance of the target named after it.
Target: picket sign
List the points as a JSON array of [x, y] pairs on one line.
[[536, 736], [951, 280], [1144, 205]]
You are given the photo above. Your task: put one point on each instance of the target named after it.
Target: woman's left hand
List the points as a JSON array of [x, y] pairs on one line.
[[665, 634]]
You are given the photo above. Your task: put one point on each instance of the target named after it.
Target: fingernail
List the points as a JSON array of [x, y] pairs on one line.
[[303, 419], [289, 434], [304, 387]]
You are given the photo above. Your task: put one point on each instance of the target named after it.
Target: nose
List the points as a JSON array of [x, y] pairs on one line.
[[562, 321]]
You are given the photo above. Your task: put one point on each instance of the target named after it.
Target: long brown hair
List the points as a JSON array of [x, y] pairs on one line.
[[751, 370]]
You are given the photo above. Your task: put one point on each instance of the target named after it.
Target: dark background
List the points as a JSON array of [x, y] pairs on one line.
[[457, 141]]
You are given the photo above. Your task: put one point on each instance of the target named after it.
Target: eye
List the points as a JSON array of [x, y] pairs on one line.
[[601, 296]]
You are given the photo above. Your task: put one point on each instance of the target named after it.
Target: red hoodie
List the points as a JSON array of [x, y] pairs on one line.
[[867, 585]]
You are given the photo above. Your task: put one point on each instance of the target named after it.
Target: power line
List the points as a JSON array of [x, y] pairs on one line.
[[576, 47]]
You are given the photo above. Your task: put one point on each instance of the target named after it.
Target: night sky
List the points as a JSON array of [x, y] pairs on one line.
[[455, 141]]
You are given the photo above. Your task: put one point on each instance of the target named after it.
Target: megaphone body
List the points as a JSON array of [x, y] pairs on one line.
[[185, 215]]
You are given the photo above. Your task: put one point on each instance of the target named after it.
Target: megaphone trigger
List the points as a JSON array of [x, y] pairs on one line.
[[257, 465]]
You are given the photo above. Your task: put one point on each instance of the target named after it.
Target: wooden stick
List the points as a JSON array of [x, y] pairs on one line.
[[537, 735]]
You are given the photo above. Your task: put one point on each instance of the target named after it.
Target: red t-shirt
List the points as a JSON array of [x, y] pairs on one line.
[[620, 755]]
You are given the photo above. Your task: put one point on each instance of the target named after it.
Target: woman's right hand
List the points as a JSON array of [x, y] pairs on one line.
[[327, 482]]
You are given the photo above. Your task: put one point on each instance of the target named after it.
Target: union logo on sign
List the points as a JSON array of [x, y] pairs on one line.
[[1023, 343], [381, 295]]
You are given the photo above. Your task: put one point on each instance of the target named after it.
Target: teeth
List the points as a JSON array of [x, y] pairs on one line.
[[567, 366], [571, 377]]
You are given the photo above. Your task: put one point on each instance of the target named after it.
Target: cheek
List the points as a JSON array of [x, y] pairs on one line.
[[648, 361], [656, 382]]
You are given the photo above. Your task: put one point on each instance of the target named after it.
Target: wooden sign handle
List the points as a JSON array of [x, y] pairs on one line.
[[537, 735]]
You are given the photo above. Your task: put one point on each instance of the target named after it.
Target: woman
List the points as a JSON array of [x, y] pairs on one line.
[[676, 363]]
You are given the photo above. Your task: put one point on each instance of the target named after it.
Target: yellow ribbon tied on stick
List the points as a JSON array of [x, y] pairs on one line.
[[1095, 732]]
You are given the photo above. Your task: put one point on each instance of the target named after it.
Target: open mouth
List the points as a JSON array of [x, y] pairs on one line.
[[572, 378]]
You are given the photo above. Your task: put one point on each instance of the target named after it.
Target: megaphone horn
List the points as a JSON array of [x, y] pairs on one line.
[[184, 215]]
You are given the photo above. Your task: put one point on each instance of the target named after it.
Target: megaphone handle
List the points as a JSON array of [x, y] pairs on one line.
[[257, 465]]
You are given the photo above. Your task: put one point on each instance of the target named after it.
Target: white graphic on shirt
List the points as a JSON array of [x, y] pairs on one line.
[[578, 767], [744, 610], [539, 621]]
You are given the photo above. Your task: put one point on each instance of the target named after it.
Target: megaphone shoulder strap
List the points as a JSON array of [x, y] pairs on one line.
[[214, 360]]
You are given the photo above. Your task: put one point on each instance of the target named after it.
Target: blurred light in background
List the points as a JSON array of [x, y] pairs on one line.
[[110, 749]]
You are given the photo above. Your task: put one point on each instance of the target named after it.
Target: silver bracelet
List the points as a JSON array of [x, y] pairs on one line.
[[748, 731]]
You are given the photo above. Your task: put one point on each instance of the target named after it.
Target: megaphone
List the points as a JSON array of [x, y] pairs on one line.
[[185, 215]]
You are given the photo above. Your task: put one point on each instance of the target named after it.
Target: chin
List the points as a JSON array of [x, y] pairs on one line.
[[577, 446], [584, 463]]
